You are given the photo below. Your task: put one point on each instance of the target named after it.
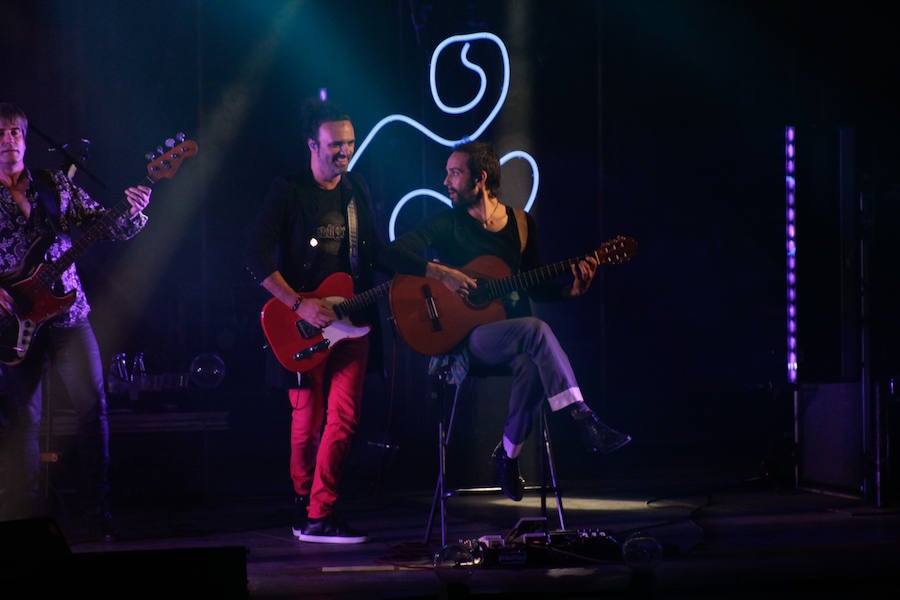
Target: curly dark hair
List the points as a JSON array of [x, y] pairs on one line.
[[314, 112], [483, 158]]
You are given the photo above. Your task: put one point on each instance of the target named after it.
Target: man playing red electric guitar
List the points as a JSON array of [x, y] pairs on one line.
[[316, 227]]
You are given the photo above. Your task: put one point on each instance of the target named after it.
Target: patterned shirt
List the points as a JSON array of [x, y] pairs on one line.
[[20, 235]]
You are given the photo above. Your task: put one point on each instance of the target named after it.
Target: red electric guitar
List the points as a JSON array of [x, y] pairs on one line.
[[299, 346], [30, 283]]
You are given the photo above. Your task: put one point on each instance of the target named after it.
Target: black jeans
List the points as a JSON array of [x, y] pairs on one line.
[[72, 357]]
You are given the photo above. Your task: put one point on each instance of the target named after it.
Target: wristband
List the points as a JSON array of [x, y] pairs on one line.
[[297, 304]]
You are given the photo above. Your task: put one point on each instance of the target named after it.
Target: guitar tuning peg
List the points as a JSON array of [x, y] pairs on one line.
[[159, 150], [170, 143], [180, 137], [150, 156]]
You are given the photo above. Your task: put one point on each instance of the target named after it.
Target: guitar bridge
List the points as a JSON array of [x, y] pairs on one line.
[[431, 307]]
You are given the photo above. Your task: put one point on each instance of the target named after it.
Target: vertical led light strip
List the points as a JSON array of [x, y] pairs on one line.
[[790, 188]]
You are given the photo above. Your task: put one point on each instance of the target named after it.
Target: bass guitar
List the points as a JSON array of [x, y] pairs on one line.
[[30, 283], [431, 319], [300, 346]]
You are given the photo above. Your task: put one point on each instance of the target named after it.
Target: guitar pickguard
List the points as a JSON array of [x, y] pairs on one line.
[[306, 330]]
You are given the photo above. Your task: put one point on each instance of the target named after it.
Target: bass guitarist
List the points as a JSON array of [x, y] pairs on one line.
[[477, 226], [39, 210]]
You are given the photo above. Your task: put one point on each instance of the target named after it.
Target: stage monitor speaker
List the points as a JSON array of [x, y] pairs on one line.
[[26, 541], [215, 572], [36, 561], [829, 437], [29, 550]]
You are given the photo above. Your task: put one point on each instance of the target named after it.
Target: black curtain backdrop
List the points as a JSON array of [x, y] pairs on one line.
[[657, 120]]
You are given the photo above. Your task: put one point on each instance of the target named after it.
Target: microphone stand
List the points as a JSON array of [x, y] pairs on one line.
[[71, 161]]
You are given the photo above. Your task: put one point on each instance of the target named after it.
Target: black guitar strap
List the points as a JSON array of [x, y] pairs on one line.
[[47, 198], [352, 225], [352, 231], [48, 205]]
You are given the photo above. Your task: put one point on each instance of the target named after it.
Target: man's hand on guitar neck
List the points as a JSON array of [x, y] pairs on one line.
[[138, 197], [584, 271], [453, 279]]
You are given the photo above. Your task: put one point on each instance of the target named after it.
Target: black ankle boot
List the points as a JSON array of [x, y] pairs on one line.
[[511, 482], [597, 435]]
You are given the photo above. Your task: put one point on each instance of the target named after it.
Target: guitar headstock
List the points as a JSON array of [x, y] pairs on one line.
[[165, 163], [617, 250]]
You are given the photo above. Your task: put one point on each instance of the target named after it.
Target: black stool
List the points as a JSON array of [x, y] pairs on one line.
[[449, 394]]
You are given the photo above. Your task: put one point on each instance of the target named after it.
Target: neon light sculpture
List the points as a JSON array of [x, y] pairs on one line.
[[465, 40]]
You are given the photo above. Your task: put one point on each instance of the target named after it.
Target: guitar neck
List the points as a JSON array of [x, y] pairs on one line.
[[611, 252], [164, 165], [361, 300], [498, 288], [94, 232]]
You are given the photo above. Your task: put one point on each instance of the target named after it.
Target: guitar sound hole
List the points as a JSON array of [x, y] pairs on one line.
[[478, 298]]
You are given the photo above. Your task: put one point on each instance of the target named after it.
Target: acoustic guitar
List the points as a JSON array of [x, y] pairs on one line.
[[432, 319]]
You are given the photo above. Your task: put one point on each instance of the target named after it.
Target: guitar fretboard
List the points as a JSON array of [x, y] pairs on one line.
[[361, 300], [527, 279], [93, 233], [614, 251], [163, 166]]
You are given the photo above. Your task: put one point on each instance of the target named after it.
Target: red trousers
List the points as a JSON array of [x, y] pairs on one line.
[[318, 453]]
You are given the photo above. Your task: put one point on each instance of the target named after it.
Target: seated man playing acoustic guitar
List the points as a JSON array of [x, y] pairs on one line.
[[480, 226]]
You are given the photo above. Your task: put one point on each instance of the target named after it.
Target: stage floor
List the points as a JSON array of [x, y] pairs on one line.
[[715, 538]]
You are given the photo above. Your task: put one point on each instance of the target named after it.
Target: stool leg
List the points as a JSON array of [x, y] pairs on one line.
[[548, 452], [440, 494], [542, 464], [443, 459], [438, 488]]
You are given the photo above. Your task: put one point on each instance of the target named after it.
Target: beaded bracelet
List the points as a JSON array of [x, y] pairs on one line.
[[297, 304]]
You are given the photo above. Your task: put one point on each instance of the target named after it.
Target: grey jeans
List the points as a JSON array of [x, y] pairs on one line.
[[73, 355], [528, 348]]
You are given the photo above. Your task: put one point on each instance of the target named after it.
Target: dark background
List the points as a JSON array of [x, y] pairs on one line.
[[659, 120]]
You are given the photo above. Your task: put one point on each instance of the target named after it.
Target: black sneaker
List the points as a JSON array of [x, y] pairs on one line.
[[300, 517], [597, 435], [511, 481], [329, 530]]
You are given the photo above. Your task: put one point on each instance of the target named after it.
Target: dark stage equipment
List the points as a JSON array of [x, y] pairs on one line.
[[36, 559]]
